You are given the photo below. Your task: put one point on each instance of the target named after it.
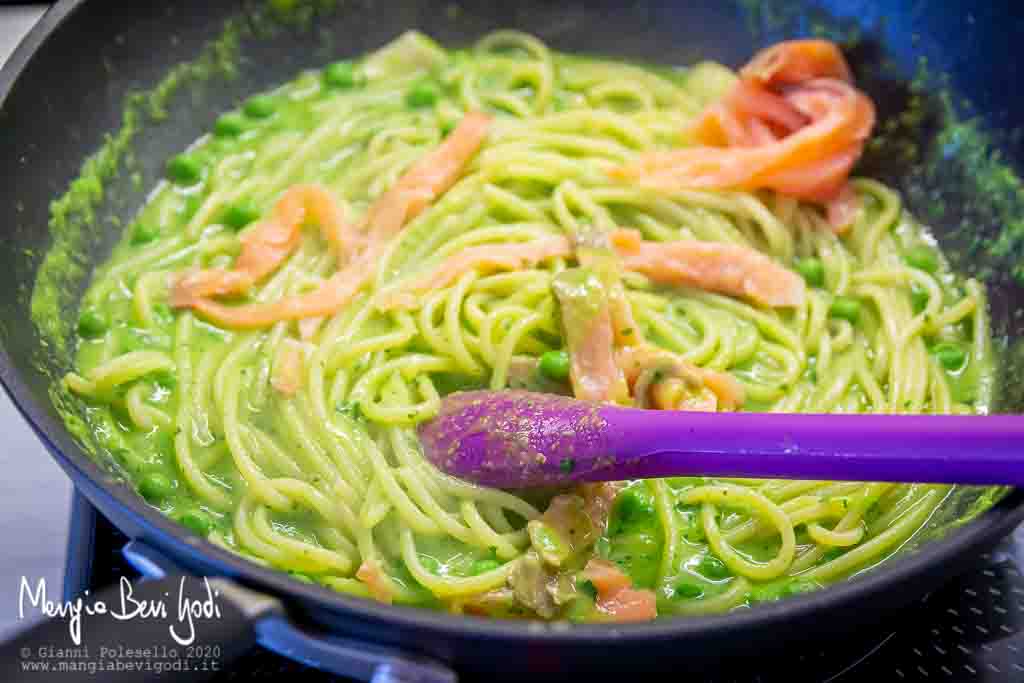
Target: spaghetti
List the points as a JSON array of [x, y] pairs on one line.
[[291, 441]]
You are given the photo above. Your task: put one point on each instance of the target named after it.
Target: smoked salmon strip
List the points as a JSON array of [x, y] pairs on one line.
[[325, 300], [712, 266], [426, 180], [617, 600], [794, 123], [485, 257], [729, 269], [589, 332], [269, 243]]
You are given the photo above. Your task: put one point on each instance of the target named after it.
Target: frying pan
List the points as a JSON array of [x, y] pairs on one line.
[[66, 87]]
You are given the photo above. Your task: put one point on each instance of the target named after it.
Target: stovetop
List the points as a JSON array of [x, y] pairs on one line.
[[969, 631]]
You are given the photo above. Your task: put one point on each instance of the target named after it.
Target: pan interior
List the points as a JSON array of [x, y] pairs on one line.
[[933, 146]]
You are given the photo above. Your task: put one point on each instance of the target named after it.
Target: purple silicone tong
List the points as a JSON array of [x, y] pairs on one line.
[[517, 439]]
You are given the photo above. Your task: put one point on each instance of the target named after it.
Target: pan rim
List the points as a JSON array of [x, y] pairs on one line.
[[993, 523]]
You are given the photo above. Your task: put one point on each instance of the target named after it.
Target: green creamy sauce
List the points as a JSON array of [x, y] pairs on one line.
[[74, 222], [256, 139]]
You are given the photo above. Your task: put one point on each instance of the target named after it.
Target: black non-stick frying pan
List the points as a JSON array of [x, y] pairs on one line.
[[66, 89]]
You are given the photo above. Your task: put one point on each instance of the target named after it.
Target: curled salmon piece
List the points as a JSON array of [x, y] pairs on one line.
[[748, 116], [796, 61], [325, 300], [195, 284], [617, 600], [712, 266], [266, 247], [589, 330], [794, 124], [594, 374], [647, 367], [430, 177], [269, 243]]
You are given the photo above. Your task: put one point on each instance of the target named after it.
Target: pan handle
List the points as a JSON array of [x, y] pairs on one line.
[[345, 657]]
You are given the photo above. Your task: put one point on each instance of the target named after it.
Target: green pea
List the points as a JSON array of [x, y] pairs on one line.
[[450, 382], [341, 75], [229, 125], [630, 507], [260, 107], [482, 567], [423, 94], [688, 590], [918, 300], [713, 568], [239, 215], [197, 521], [155, 487], [555, 365], [846, 308], [91, 323], [950, 356], [165, 379], [144, 233], [923, 258], [184, 170], [812, 270]]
